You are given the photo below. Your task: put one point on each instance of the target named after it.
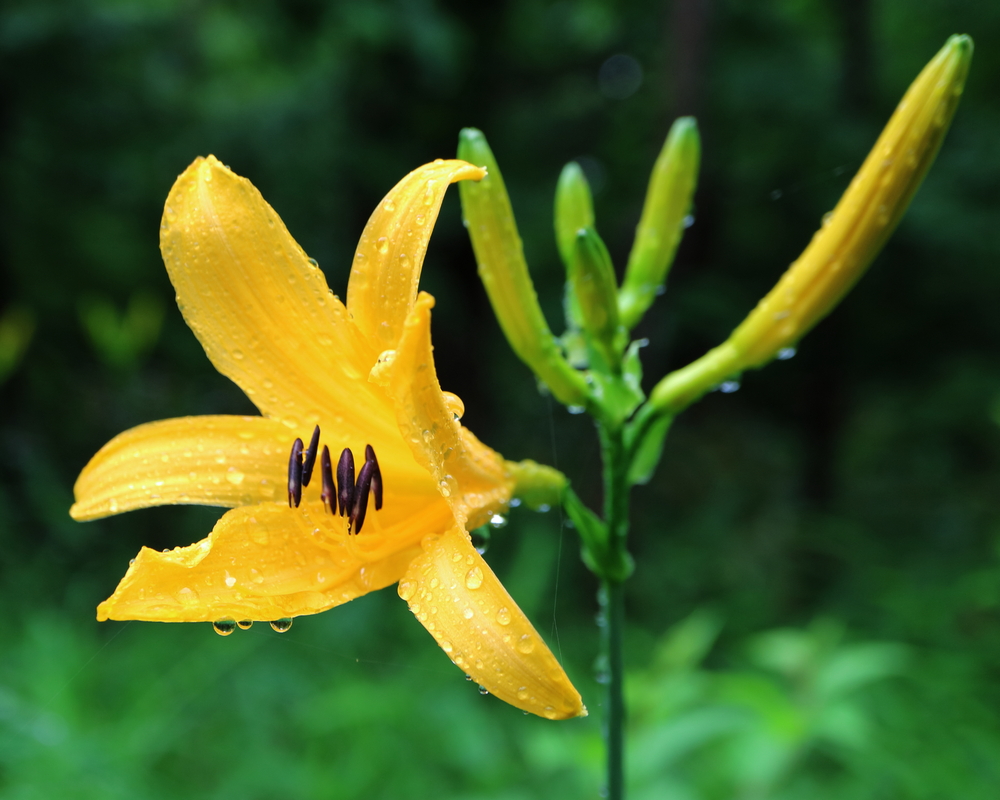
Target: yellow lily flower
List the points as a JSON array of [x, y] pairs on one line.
[[363, 375]]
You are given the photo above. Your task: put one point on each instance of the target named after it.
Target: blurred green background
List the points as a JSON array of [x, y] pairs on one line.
[[816, 608]]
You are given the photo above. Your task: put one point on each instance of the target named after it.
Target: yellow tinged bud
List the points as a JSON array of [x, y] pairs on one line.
[[849, 239], [854, 232], [504, 273]]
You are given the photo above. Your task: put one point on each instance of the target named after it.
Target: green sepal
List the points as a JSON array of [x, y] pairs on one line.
[[668, 201], [596, 551], [647, 454], [616, 397]]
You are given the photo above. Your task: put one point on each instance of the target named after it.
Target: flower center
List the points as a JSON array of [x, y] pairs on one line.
[[352, 496]]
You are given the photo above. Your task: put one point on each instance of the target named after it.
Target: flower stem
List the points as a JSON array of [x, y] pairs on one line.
[[612, 597], [612, 600]]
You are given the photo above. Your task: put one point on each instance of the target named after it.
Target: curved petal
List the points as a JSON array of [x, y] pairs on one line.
[[211, 460], [473, 477], [269, 561], [383, 284], [263, 311], [456, 596]]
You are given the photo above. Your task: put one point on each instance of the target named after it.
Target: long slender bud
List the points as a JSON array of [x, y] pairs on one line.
[[668, 202], [504, 272], [855, 231], [849, 239]]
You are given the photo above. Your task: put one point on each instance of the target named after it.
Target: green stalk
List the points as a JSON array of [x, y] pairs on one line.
[[612, 601]]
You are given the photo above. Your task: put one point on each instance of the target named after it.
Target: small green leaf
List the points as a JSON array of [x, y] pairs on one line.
[[647, 457]]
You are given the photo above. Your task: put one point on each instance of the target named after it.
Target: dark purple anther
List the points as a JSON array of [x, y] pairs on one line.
[[295, 475], [345, 480], [310, 459], [329, 493], [376, 476], [361, 491]]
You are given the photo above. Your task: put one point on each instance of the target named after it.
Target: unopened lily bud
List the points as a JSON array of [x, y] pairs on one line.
[[574, 209], [849, 239], [854, 232], [668, 201], [504, 272], [595, 290]]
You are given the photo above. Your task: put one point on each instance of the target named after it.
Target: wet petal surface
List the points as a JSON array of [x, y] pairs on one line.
[[468, 473], [455, 595], [212, 460], [390, 255], [268, 562]]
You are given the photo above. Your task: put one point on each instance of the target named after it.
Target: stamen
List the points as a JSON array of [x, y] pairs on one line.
[[376, 476], [329, 493], [345, 480], [361, 491], [310, 460], [295, 475]]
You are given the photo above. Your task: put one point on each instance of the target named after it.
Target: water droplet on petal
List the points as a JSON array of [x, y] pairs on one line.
[[383, 245], [728, 387], [483, 689], [498, 521], [224, 626], [234, 476], [522, 693], [281, 625], [238, 355], [503, 615], [786, 353], [454, 404], [526, 644], [407, 589], [474, 578], [245, 624], [468, 613]]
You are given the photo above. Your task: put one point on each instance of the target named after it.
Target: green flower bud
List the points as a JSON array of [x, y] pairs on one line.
[[574, 209], [668, 201], [595, 291]]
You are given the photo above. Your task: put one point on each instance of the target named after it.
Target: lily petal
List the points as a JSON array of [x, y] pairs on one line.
[[267, 562], [277, 332], [455, 595], [473, 478], [212, 460], [383, 283]]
